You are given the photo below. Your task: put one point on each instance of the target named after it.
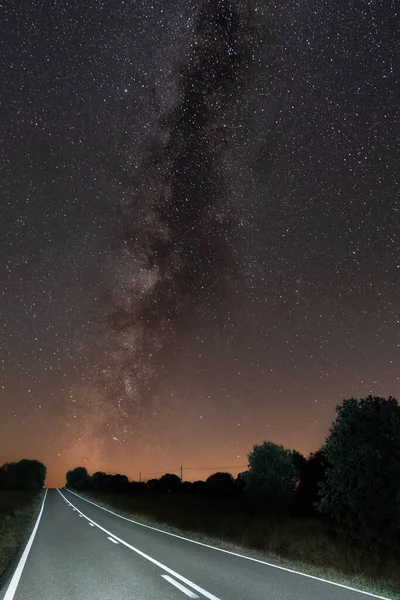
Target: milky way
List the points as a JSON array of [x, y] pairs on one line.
[[176, 249]]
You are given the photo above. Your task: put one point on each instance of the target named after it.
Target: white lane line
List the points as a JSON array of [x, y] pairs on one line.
[[12, 588], [180, 587], [80, 516], [109, 538], [91, 524], [152, 560], [256, 560]]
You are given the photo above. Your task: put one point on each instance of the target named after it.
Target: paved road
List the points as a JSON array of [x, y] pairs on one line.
[[82, 552]]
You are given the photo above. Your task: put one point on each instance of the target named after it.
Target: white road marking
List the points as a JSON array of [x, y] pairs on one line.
[[180, 587], [91, 524], [80, 516], [12, 588], [153, 560], [109, 538], [257, 560]]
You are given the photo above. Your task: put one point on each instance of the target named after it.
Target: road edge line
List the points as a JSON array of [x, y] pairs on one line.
[[12, 586], [257, 560]]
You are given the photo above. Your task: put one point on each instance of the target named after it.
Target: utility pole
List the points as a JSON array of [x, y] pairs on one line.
[[181, 474]]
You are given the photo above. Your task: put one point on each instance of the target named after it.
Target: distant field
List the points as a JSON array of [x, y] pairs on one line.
[[307, 545], [18, 511]]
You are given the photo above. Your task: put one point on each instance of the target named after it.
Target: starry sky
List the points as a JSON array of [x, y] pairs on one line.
[[199, 227]]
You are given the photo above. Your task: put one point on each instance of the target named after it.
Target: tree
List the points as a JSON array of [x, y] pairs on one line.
[[199, 488], [169, 483], [361, 489], [311, 474], [220, 484], [240, 481], [23, 475], [270, 482], [119, 483], [299, 462], [152, 485], [98, 480], [78, 478]]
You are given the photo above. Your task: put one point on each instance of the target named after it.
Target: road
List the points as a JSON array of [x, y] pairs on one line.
[[79, 551]]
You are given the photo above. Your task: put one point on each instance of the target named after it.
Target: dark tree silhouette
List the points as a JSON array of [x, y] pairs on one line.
[[199, 488], [311, 474], [187, 487], [270, 482], [98, 481], [119, 483], [361, 487], [299, 462], [152, 485], [240, 481], [78, 478], [169, 483], [220, 484], [23, 475]]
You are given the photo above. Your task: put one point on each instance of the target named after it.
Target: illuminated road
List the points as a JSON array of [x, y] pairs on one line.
[[79, 551]]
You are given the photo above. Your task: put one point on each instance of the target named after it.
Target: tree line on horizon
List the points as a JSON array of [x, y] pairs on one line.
[[353, 481], [25, 474]]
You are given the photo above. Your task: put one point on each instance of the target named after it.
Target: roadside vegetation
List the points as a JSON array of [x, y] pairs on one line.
[[335, 514], [21, 494]]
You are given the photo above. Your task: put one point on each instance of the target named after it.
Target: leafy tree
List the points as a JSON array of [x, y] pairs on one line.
[[220, 484], [299, 462], [199, 488], [98, 480], [187, 488], [361, 489], [78, 478], [270, 482], [240, 481], [311, 475], [169, 483], [23, 475], [119, 483], [152, 485]]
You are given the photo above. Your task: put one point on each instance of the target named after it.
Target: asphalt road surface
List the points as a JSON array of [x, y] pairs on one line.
[[79, 551]]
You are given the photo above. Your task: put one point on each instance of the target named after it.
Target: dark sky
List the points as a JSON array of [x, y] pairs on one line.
[[199, 227]]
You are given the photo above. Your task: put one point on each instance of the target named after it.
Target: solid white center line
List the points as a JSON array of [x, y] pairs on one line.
[[180, 587], [112, 540]]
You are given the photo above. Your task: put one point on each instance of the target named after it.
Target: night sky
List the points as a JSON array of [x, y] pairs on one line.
[[199, 227]]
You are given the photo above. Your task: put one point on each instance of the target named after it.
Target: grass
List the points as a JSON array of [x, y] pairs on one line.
[[18, 511], [304, 544]]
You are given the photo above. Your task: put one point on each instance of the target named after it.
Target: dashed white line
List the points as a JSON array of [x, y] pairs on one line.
[[111, 539], [9, 595], [80, 516], [91, 524], [196, 587], [181, 587]]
